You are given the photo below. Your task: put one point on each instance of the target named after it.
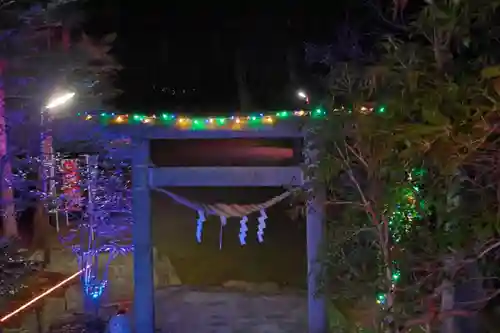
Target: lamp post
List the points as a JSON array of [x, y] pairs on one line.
[[47, 169]]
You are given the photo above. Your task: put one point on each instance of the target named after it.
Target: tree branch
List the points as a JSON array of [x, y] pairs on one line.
[[432, 317], [358, 156], [382, 17], [488, 249]]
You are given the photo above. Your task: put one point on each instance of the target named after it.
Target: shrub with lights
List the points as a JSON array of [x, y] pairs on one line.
[[413, 223]]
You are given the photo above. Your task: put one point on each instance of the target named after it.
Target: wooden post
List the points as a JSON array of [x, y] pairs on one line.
[[317, 309], [143, 249], [317, 305]]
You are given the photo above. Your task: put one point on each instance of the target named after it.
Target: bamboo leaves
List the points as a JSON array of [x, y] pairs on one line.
[[490, 72], [440, 116]]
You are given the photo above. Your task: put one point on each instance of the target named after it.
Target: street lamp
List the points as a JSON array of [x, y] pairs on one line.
[[58, 100], [47, 169], [302, 95]]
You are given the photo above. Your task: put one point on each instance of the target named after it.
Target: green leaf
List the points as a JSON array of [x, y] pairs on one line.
[[434, 117], [439, 14], [490, 72]]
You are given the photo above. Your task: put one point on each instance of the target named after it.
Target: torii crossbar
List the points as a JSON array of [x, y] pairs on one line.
[[145, 176]]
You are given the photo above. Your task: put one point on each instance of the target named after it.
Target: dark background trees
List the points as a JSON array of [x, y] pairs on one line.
[[220, 57]]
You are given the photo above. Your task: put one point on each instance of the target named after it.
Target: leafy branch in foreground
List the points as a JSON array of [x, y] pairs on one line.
[[421, 216]]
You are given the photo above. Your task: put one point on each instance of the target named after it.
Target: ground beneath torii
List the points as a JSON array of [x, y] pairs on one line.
[[218, 310]]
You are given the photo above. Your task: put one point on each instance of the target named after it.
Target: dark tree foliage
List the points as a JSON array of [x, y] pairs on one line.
[[46, 51], [424, 99]]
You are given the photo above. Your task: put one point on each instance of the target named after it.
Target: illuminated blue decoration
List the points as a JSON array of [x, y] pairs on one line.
[[104, 227], [94, 288], [262, 225], [199, 225], [119, 323], [243, 230], [223, 222]]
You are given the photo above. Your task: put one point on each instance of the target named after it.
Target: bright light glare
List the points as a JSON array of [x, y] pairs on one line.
[[60, 100], [301, 94]]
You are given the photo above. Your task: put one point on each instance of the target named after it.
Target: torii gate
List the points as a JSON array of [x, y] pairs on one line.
[[146, 176]]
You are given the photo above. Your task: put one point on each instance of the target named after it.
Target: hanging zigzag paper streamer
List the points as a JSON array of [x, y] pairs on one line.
[[243, 230], [230, 210], [199, 225], [262, 225], [223, 222]]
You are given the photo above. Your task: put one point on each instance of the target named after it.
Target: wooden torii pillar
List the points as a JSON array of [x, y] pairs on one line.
[[144, 309], [145, 176]]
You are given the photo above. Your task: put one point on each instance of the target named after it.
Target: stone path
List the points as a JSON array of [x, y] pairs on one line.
[[186, 310]]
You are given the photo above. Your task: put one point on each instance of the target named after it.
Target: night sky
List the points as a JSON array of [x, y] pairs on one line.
[[180, 55]]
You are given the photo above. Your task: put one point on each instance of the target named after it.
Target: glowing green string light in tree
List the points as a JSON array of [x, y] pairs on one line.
[[409, 209]]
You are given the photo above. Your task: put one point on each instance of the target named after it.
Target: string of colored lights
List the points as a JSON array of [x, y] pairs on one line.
[[234, 122], [39, 297], [408, 210]]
